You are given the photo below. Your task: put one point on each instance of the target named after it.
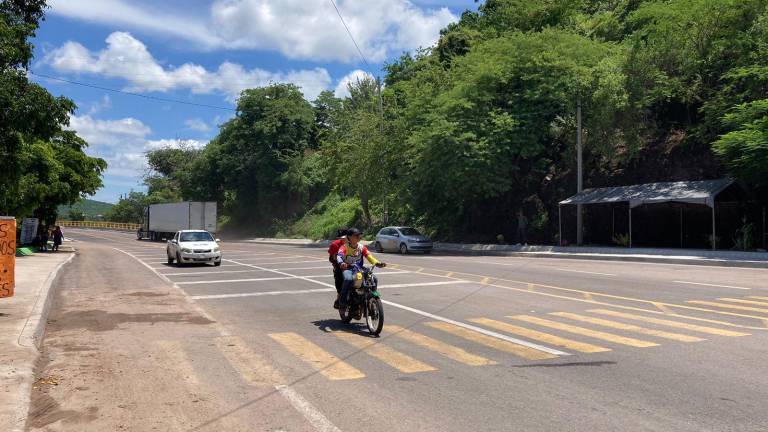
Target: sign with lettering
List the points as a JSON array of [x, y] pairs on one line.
[[28, 230], [7, 256]]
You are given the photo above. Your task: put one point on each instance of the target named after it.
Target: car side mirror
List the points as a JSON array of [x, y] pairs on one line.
[[218, 240], [397, 235], [172, 241]]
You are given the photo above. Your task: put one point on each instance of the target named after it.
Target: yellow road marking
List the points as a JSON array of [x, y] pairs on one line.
[[449, 274], [251, 366], [177, 356], [676, 324], [321, 360], [728, 306], [758, 297], [485, 280], [584, 331], [751, 302], [396, 359], [628, 327], [532, 289], [539, 336], [447, 350], [501, 345]]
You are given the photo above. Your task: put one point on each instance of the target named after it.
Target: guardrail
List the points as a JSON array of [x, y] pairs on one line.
[[99, 225]]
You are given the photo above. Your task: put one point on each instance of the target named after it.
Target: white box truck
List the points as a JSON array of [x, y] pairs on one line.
[[161, 221]]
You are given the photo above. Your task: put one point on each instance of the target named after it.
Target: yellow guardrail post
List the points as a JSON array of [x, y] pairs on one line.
[[99, 225]]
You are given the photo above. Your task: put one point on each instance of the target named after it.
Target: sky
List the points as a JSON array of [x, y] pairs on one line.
[[204, 52]]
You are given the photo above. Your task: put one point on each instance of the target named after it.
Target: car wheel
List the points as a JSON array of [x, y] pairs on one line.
[[178, 259], [378, 247], [217, 263], [403, 249]]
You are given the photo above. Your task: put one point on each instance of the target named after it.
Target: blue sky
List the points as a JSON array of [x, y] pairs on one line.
[[206, 52]]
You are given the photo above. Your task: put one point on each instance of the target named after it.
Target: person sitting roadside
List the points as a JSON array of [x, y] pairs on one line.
[[333, 250], [350, 260]]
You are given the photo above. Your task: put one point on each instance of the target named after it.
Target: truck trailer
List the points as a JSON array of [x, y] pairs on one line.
[[161, 221]]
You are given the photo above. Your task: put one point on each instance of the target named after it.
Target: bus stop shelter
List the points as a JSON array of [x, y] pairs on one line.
[[701, 192]]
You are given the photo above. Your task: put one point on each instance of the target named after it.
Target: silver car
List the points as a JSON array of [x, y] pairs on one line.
[[401, 239]]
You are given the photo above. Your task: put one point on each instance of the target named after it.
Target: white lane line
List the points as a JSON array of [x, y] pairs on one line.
[[258, 294], [312, 414], [312, 276], [233, 280], [210, 272], [584, 271], [304, 268], [418, 284], [438, 317], [712, 285]]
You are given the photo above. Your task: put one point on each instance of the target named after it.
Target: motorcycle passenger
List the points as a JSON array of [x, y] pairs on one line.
[[350, 260], [338, 273]]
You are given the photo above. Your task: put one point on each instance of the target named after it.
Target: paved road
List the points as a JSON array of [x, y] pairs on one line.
[[471, 343]]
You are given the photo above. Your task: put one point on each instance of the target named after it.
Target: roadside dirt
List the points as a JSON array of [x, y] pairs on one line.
[[126, 351]]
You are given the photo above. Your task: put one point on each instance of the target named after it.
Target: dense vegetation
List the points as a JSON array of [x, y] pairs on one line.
[[85, 209], [43, 165], [483, 123]]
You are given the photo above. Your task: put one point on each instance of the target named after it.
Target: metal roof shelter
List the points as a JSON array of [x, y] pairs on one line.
[[693, 192]]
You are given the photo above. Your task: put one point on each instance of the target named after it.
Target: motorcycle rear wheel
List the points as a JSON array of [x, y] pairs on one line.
[[374, 315]]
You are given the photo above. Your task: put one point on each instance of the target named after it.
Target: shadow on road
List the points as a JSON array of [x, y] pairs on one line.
[[332, 325]]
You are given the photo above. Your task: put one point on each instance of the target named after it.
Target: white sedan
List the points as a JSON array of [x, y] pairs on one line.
[[193, 246]]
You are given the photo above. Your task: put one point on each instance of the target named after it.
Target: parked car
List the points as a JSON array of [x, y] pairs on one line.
[[193, 246], [401, 239]]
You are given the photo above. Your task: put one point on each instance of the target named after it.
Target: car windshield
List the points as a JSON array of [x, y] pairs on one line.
[[195, 236], [409, 232]]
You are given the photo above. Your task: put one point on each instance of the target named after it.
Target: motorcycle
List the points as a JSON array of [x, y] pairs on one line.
[[363, 301]]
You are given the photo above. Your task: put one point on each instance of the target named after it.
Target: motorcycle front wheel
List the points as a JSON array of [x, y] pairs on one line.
[[374, 315], [345, 313]]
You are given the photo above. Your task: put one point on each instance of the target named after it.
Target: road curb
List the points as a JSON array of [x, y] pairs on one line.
[[31, 337], [661, 259], [630, 258], [34, 330]]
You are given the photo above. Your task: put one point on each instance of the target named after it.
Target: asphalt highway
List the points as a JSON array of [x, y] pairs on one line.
[[472, 342]]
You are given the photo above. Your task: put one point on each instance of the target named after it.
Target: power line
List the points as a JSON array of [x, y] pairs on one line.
[[161, 99], [359, 51]]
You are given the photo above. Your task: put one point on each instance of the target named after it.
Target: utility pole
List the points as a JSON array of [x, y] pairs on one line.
[[381, 105], [580, 176]]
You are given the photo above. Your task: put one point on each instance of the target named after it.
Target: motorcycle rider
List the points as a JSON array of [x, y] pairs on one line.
[[338, 273], [350, 260]]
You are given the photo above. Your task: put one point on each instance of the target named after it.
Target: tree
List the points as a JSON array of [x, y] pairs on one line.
[[129, 209], [253, 152], [43, 166], [745, 148]]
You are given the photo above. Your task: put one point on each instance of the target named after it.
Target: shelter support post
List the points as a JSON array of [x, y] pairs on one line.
[[560, 224], [681, 227], [714, 237], [630, 225]]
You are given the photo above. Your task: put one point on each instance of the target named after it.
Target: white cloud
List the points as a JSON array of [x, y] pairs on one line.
[[300, 29], [127, 58], [197, 124], [103, 104], [122, 143], [342, 88]]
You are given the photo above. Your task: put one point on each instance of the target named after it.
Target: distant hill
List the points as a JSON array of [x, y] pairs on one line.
[[91, 208]]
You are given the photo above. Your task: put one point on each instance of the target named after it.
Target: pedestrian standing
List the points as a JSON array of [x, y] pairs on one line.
[[58, 237], [44, 240], [522, 227], [338, 273]]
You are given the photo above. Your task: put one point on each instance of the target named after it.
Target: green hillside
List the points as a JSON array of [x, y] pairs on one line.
[[90, 208]]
